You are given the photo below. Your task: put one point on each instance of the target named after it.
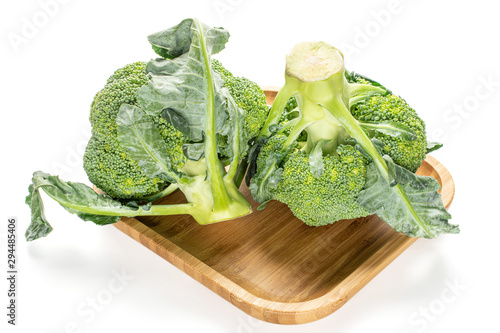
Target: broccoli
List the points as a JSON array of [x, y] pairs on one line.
[[343, 177], [247, 95], [362, 146], [106, 161], [388, 107], [181, 121]]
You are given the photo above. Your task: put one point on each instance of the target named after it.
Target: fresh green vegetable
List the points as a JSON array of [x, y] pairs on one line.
[[106, 161], [108, 164], [362, 146], [334, 145], [179, 122]]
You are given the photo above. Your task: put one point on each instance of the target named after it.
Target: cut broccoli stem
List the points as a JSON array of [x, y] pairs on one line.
[[316, 71], [324, 127], [316, 74]]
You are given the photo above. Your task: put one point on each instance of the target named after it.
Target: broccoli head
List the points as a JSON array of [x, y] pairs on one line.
[[179, 122], [106, 162], [362, 147], [391, 108], [248, 95], [388, 107], [322, 199]]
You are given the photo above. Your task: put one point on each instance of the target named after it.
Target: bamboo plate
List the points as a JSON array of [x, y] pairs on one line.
[[271, 265]]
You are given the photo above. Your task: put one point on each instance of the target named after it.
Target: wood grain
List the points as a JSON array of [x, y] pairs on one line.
[[271, 265]]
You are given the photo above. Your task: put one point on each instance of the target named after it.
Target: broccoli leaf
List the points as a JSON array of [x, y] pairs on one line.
[[193, 151], [391, 128], [76, 198], [139, 135], [433, 146], [188, 93], [316, 159], [39, 227], [413, 206], [266, 181], [354, 77], [172, 42], [267, 178], [185, 84], [253, 154], [379, 146]]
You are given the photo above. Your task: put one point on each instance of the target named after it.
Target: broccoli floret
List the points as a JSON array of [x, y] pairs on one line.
[[272, 146], [350, 165], [248, 95], [108, 164], [379, 108], [331, 197]]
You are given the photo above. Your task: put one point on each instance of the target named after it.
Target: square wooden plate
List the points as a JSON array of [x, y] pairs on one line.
[[271, 265]]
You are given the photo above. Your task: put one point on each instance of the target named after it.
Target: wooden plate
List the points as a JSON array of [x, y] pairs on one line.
[[271, 265]]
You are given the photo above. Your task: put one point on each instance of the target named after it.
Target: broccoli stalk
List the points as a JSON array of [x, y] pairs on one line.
[[185, 91], [315, 76], [211, 193]]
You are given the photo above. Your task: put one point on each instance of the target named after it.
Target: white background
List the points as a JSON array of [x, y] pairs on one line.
[[436, 54]]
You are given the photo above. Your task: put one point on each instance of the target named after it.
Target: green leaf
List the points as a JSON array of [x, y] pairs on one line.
[[253, 154], [192, 97], [185, 85], [354, 77], [194, 151], [172, 42], [413, 206], [391, 128], [379, 146], [267, 178], [176, 120], [316, 159], [265, 182], [433, 146], [185, 90], [39, 227], [76, 198], [140, 136], [176, 41]]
